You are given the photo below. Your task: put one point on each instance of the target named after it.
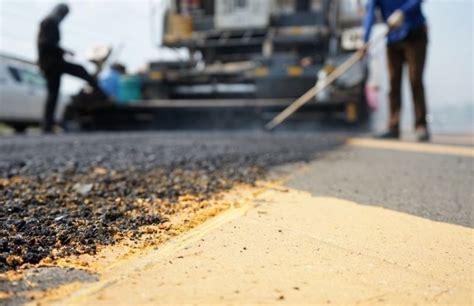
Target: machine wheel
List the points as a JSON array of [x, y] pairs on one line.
[[19, 128], [70, 122], [71, 126], [363, 110]]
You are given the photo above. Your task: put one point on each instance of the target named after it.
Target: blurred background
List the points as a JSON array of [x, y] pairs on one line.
[[135, 30]]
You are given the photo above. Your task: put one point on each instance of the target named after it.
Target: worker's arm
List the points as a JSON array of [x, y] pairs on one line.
[[410, 5], [369, 19]]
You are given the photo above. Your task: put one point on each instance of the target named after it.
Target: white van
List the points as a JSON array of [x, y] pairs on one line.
[[23, 94]]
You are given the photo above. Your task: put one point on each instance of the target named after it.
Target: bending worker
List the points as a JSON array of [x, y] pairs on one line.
[[52, 63], [406, 43]]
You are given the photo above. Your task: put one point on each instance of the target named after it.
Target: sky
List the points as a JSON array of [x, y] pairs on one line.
[[123, 24], [134, 27]]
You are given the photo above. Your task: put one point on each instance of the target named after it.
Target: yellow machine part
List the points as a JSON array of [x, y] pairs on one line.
[[178, 27], [295, 71], [351, 112], [261, 71]]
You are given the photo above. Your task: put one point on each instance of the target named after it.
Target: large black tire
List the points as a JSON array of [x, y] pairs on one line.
[[363, 109], [71, 126], [19, 128], [70, 122]]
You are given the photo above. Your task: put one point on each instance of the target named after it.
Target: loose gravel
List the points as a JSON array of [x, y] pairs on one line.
[[64, 195]]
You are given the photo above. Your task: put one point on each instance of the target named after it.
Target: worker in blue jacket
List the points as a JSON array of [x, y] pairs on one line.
[[406, 43]]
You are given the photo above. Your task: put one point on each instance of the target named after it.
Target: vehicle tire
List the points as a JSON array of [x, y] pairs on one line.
[[19, 128], [71, 126], [70, 121], [363, 109]]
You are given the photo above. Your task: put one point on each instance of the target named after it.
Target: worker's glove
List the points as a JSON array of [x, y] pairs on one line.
[[69, 52], [364, 50], [396, 19]]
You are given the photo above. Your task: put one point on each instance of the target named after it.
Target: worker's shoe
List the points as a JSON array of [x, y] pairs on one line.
[[390, 134], [422, 134]]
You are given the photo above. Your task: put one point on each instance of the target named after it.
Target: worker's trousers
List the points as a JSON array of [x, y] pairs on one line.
[[411, 51], [53, 80]]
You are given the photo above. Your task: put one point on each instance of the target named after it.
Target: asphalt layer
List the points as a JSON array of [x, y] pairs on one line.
[[39, 279], [63, 195], [435, 186]]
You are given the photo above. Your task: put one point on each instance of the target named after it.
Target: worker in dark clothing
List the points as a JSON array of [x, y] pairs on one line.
[[52, 63], [406, 43]]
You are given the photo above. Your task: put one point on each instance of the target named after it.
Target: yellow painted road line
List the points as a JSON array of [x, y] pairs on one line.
[[463, 140], [292, 248], [411, 147], [123, 269]]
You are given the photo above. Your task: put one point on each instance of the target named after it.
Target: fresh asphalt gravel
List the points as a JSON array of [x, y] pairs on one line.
[[63, 195], [141, 151]]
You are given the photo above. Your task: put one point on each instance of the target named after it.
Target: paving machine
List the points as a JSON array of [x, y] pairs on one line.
[[248, 60], [260, 55]]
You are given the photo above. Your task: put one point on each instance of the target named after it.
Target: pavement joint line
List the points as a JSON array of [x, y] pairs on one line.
[[166, 250], [411, 147]]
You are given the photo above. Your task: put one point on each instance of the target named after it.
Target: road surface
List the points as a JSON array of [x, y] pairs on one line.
[[348, 220]]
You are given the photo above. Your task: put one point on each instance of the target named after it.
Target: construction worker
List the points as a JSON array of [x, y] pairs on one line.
[[406, 43], [109, 80], [52, 63]]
